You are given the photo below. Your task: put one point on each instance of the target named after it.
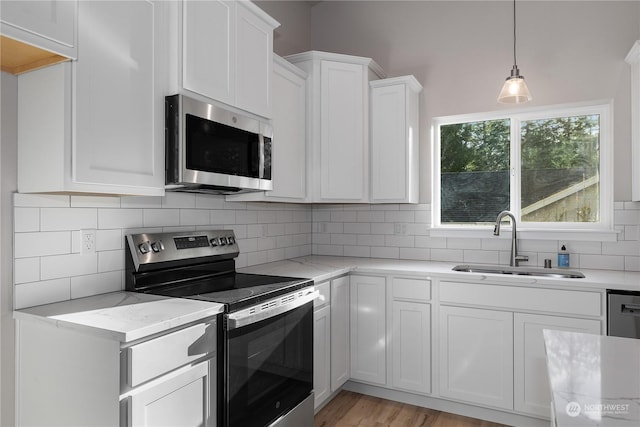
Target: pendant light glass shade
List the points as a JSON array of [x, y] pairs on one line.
[[514, 90]]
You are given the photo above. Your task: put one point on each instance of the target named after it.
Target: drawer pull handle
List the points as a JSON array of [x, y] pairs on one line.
[[632, 309]]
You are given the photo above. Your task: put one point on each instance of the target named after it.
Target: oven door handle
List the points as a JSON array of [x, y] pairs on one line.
[[269, 309]]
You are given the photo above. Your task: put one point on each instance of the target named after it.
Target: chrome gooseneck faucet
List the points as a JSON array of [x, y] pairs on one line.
[[515, 258]]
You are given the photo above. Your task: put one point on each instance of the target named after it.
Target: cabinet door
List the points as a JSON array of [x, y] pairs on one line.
[[368, 323], [394, 140], [119, 108], [344, 150], [208, 48], [321, 354], [289, 130], [186, 399], [531, 385], [410, 343], [339, 332], [48, 24], [254, 58], [476, 356]]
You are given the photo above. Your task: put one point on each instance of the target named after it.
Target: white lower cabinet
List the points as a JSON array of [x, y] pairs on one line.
[[331, 338], [71, 377], [368, 329], [410, 344], [531, 382], [321, 354], [476, 356], [340, 359], [181, 400]]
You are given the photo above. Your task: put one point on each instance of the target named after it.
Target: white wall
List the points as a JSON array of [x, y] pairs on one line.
[[8, 173], [461, 52]]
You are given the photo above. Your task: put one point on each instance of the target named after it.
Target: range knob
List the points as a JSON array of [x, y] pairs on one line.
[[157, 246], [223, 241], [144, 247], [231, 240], [214, 242]]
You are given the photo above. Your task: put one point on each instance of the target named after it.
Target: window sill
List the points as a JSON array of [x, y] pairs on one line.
[[575, 235]]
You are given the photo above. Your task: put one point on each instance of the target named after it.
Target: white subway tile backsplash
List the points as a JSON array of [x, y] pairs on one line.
[[370, 240], [194, 217], [93, 284], [42, 243], [120, 218], [111, 260], [343, 239], [179, 200], [57, 219], [95, 202], [357, 228], [161, 217], [357, 251], [109, 239], [601, 262], [26, 219], [26, 270], [415, 253], [464, 243], [207, 201], [265, 232], [140, 202], [40, 200], [385, 252], [59, 266], [43, 292]]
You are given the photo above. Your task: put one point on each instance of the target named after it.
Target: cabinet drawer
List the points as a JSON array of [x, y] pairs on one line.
[[414, 289], [325, 294], [155, 357], [581, 303]]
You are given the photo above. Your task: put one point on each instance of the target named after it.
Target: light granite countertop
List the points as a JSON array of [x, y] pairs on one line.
[[121, 316], [595, 379], [321, 268]]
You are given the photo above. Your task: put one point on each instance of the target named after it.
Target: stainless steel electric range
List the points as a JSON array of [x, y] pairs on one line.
[[265, 349]]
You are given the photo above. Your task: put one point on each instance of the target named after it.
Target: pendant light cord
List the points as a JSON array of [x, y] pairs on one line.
[[514, 34]]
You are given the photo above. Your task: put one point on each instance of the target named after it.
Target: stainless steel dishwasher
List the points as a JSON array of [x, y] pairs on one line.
[[623, 313]]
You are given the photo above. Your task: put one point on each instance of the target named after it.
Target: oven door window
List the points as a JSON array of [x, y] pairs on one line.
[[218, 148], [270, 367]]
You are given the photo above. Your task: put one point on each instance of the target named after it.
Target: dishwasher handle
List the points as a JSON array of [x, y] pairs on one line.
[[631, 309]]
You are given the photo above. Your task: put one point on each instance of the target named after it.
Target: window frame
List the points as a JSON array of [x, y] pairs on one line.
[[601, 230]]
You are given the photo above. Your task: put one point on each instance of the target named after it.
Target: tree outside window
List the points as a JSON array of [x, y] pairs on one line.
[[546, 168]]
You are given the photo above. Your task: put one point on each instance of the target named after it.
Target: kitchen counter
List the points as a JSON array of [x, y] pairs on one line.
[[595, 380], [321, 268], [121, 316]]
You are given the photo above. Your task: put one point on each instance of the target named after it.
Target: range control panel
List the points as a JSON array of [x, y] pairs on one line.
[[151, 248]]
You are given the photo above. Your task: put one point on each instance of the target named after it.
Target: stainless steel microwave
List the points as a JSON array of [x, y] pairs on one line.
[[209, 149]]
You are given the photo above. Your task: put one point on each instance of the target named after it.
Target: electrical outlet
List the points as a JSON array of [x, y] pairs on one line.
[[87, 241], [400, 229]]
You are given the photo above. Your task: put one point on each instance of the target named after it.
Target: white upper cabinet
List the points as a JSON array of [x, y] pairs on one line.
[[208, 48], [394, 140], [47, 24], [338, 125], [633, 58], [288, 148], [96, 125], [227, 49]]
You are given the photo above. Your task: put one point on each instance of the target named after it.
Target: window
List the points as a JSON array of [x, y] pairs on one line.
[[549, 167]]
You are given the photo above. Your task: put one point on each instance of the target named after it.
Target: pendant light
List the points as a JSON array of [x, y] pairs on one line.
[[514, 90]]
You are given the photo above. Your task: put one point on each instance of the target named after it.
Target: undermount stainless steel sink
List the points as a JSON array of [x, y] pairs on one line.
[[519, 271]]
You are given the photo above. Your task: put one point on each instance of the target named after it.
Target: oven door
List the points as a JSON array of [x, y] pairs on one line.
[[269, 366]]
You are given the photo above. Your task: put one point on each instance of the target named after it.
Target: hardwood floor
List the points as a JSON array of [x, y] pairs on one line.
[[350, 409]]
